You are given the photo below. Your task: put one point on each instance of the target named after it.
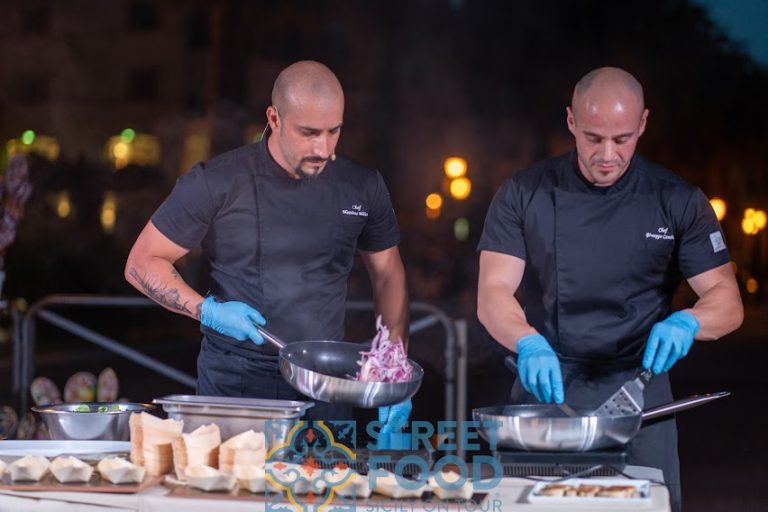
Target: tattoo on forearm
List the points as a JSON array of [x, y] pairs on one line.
[[161, 293]]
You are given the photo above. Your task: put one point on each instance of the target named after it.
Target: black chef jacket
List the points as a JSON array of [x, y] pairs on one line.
[[602, 264], [284, 246]]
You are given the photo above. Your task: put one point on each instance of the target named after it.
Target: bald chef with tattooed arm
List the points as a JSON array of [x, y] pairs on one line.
[[279, 223]]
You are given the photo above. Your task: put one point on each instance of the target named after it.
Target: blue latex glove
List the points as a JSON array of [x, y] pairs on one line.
[[539, 369], [393, 418], [669, 341], [233, 319]]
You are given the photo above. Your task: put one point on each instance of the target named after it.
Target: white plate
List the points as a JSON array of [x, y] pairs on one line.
[[55, 448], [643, 489]]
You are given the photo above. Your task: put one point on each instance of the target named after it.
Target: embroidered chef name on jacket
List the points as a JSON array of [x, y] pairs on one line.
[[356, 210], [661, 234]]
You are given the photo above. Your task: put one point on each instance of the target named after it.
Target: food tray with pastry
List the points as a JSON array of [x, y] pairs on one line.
[[10, 450], [593, 491], [69, 473]]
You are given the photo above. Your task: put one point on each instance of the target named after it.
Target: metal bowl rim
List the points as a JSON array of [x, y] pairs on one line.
[[57, 408]]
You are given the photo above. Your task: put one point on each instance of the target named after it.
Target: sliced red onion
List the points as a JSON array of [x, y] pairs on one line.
[[386, 361]]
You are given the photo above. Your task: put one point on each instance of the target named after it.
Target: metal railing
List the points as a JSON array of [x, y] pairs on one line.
[[25, 338]]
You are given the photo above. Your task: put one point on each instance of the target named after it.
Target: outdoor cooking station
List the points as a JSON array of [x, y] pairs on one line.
[[522, 471], [534, 444], [509, 493]]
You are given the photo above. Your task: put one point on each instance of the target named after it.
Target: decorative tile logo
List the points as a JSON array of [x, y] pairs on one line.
[[312, 470], [304, 472]]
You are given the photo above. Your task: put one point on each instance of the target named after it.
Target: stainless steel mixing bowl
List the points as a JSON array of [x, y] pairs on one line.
[[103, 421]]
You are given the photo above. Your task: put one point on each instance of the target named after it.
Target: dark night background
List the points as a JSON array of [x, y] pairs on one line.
[[424, 80]]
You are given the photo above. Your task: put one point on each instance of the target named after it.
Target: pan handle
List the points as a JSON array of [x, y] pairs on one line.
[[277, 342], [681, 405], [511, 363]]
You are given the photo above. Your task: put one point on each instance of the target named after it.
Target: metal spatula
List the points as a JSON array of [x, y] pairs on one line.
[[628, 400]]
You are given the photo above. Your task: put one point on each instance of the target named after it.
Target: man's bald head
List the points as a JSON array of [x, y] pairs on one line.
[[607, 116], [305, 81], [605, 83], [305, 118]]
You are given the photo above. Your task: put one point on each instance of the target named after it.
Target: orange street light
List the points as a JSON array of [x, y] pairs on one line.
[[434, 205], [719, 206], [455, 167], [460, 188], [434, 201]]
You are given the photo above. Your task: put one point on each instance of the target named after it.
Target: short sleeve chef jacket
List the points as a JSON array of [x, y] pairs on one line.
[[602, 264], [282, 245]]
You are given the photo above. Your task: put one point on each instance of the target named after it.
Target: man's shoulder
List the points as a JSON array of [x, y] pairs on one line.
[[350, 171], [541, 171], [661, 176], [236, 161]]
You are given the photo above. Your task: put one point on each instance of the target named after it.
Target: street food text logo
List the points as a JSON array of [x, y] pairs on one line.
[[308, 471]]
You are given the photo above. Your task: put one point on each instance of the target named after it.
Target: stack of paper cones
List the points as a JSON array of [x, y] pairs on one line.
[[151, 442], [198, 448], [246, 449]]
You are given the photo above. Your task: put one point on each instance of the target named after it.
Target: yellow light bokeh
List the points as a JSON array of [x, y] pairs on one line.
[[754, 220], [752, 285], [460, 188], [143, 150], [748, 226], [455, 167], [434, 201], [120, 150], [759, 219], [43, 145], [108, 213], [63, 205], [718, 205]]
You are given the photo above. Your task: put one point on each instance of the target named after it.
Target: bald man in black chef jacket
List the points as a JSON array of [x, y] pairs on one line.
[[279, 223], [579, 259]]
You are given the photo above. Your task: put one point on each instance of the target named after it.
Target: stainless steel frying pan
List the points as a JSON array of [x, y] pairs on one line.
[[544, 427], [324, 370]]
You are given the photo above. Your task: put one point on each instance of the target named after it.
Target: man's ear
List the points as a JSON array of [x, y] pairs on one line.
[[570, 120], [643, 123], [273, 118]]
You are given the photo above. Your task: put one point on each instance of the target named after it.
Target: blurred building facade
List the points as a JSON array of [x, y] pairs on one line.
[[161, 84]]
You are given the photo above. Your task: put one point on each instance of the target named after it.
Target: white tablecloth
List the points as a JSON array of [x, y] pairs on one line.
[[510, 494]]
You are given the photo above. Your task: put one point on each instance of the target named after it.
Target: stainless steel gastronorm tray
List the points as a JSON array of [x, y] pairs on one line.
[[235, 415]]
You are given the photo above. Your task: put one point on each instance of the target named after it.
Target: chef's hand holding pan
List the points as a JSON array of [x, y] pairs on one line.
[[669, 341], [234, 319], [539, 369]]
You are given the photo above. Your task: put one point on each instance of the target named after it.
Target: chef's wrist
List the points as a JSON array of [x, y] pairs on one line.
[[532, 341], [207, 309], [686, 320]]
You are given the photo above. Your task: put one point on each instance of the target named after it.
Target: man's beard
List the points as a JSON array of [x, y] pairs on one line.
[[302, 174]]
